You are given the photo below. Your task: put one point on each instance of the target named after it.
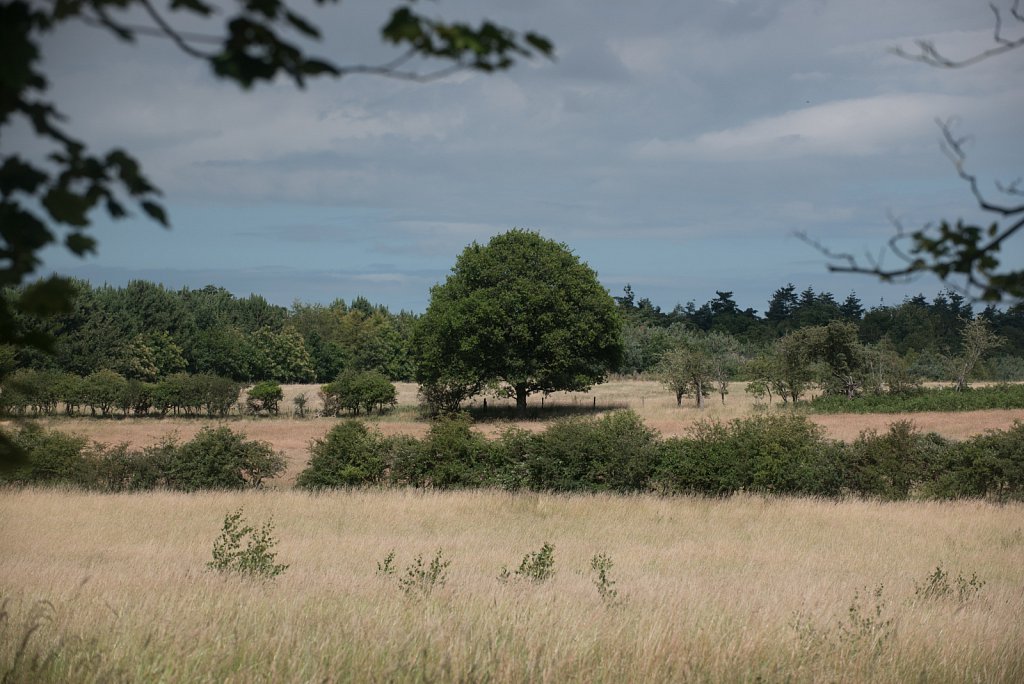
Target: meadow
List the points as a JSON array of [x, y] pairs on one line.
[[292, 435], [115, 588]]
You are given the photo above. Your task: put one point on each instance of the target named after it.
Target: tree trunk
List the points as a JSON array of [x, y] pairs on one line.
[[521, 399], [700, 395], [679, 398]]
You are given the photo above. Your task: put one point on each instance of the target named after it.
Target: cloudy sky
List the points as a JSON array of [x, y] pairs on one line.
[[672, 145]]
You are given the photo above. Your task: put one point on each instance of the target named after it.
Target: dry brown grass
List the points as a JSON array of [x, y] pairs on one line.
[[712, 590]]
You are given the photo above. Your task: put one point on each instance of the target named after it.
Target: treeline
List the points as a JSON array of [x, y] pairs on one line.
[[106, 393], [924, 333], [36, 393], [146, 332], [781, 454]]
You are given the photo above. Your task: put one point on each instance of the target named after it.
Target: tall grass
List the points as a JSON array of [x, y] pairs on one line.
[[114, 588]]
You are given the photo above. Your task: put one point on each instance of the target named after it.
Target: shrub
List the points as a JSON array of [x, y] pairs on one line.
[[119, 469], [52, 458], [256, 560], [1003, 396], [601, 565], [421, 581], [222, 459], [780, 454], [894, 464], [300, 401], [937, 586], [703, 462], [347, 456], [15, 393], [443, 397], [537, 566], [615, 452], [71, 390], [451, 455], [264, 396], [786, 454], [25, 389], [216, 394], [508, 464], [989, 465]]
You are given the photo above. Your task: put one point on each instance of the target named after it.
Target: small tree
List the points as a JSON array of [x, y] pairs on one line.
[[687, 369], [725, 360], [838, 347], [978, 341], [793, 368], [103, 391], [264, 396]]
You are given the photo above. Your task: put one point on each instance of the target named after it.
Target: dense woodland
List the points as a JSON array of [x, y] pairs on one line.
[[147, 332]]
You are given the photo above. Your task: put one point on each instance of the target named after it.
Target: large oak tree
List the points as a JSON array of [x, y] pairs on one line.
[[522, 312]]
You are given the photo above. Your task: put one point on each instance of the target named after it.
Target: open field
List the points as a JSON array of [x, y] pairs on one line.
[[648, 398], [708, 589]]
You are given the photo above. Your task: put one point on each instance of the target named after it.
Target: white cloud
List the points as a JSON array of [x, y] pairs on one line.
[[848, 128]]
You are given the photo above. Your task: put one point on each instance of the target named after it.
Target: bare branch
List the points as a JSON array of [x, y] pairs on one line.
[[929, 54], [163, 29], [172, 34], [1013, 188], [952, 147], [387, 72], [154, 32]]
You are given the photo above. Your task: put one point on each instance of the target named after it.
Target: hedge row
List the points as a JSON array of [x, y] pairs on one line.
[[779, 454], [107, 393], [213, 459], [1001, 396]]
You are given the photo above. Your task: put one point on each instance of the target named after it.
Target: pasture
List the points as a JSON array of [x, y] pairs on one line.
[[115, 588]]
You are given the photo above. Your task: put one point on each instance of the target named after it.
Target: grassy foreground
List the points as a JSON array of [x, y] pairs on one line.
[[114, 587]]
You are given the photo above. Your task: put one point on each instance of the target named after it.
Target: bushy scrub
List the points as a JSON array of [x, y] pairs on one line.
[[701, 463], [989, 465], [120, 469], [895, 464], [615, 452], [780, 454], [222, 459], [452, 455], [53, 458], [1002, 396], [788, 454], [350, 454]]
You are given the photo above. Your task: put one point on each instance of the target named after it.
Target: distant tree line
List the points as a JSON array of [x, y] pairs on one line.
[[147, 333], [926, 336]]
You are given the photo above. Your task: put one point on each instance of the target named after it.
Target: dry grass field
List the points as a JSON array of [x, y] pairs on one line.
[[114, 588], [648, 398]]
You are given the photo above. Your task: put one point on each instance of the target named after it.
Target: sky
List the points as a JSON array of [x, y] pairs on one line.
[[674, 145]]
